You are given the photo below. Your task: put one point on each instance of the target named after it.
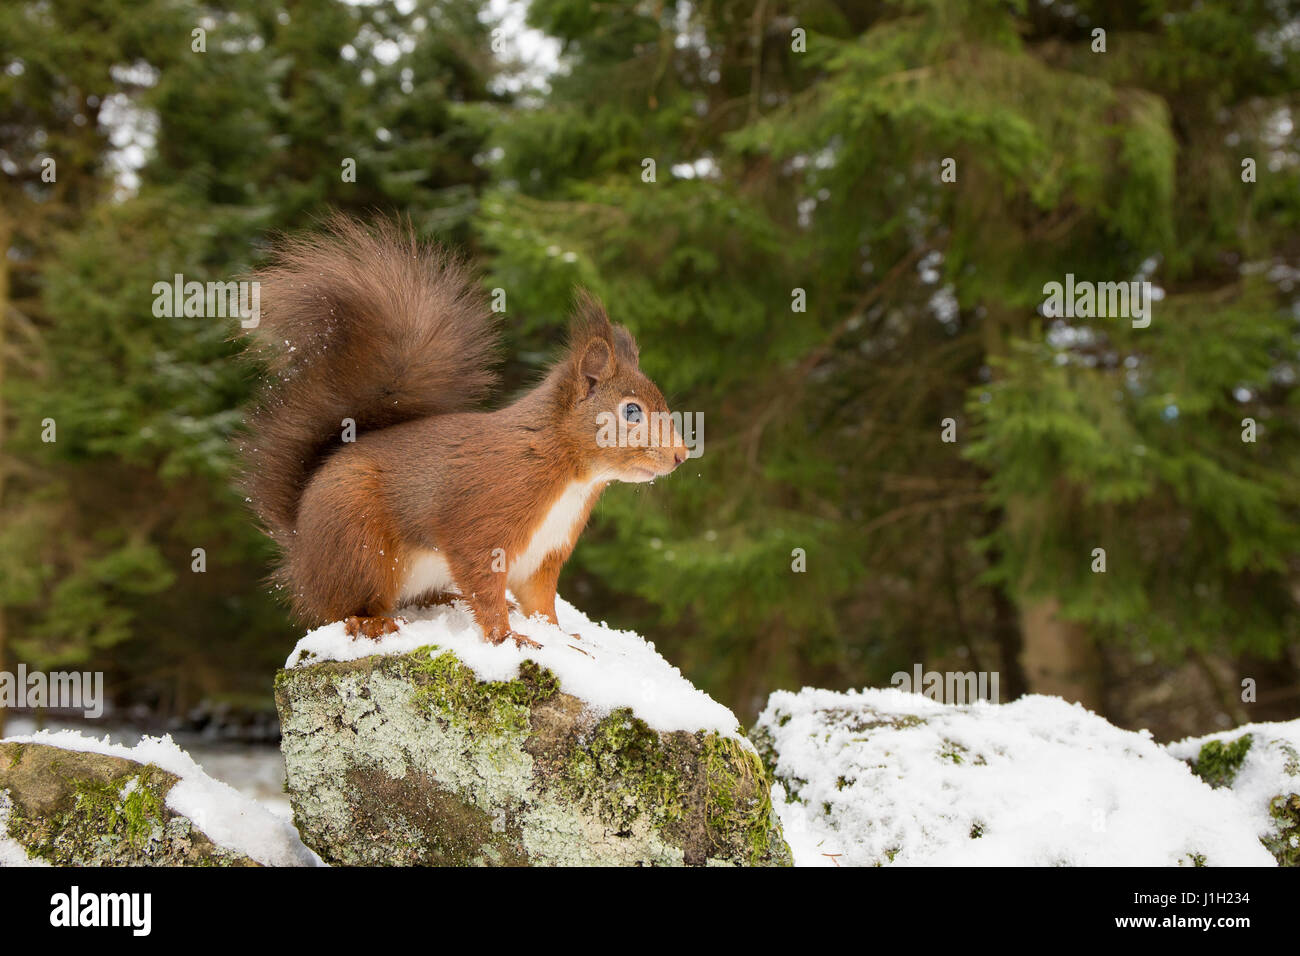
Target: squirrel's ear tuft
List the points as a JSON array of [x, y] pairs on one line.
[[591, 321], [625, 347], [589, 318]]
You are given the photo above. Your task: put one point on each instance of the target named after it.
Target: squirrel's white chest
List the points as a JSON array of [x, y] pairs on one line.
[[429, 573], [555, 530]]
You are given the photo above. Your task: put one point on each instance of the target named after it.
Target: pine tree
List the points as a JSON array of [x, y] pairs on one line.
[[921, 171], [126, 532]]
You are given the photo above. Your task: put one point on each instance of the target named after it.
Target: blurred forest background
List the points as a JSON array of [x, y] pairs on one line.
[[798, 144]]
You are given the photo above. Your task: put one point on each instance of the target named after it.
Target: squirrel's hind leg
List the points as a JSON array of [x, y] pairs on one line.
[[345, 560]]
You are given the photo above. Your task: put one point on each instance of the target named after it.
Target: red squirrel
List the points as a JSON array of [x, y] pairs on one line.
[[431, 500]]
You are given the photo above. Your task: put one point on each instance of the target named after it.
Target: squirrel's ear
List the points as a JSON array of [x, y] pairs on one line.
[[596, 363]]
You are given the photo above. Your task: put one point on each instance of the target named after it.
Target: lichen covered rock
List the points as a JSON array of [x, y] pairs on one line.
[[413, 759], [88, 809], [67, 799], [1259, 764]]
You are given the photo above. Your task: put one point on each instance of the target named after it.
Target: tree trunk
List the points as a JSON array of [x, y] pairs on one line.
[[1059, 656], [1006, 623]]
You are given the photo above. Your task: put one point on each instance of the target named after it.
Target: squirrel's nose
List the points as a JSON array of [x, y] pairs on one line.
[[678, 458]]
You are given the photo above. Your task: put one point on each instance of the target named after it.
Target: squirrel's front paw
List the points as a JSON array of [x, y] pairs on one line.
[[500, 635], [371, 627]]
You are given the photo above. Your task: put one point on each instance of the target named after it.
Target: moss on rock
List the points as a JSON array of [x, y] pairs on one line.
[[412, 760], [1218, 763], [85, 809], [1284, 841]]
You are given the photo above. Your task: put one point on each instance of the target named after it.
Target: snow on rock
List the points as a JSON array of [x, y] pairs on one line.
[[607, 668], [430, 747], [1259, 765], [882, 777], [226, 817]]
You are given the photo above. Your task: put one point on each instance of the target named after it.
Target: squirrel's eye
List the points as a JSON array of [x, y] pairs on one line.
[[632, 412]]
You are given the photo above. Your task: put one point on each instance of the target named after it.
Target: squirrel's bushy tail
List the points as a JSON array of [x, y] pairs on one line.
[[361, 323]]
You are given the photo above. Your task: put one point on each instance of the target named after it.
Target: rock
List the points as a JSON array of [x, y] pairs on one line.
[[882, 777], [70, 800], [1259, 764], [87, 809], [412, 759]]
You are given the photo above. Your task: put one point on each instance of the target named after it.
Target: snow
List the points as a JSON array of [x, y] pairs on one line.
[[226, 816], [1271, 767], [606, 668], [882, 773], [807, 842]]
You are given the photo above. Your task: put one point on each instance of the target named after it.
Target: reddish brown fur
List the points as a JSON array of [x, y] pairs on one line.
[[403, 352]]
